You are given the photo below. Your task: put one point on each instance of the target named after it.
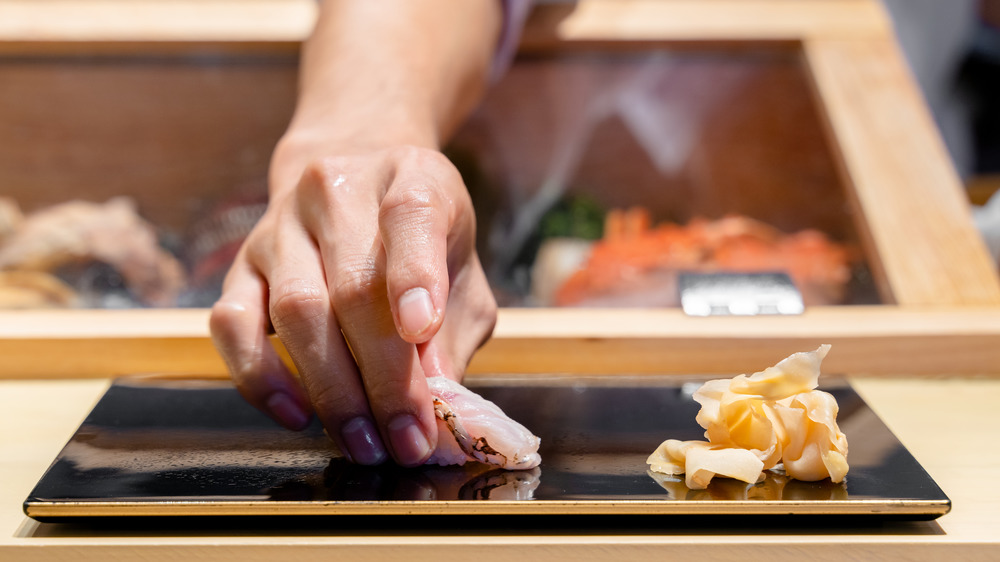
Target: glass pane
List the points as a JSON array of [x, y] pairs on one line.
[[130, 181], [600, 176], [136, 177]]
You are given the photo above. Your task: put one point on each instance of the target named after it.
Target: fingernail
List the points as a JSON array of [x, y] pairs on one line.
[[362, 441], [287, 411], [408, 440], [416, 311]]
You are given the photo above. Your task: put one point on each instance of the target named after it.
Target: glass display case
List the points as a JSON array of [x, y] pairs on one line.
[[627, 145]]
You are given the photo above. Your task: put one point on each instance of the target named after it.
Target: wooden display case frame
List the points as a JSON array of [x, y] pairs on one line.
[[941, 289]]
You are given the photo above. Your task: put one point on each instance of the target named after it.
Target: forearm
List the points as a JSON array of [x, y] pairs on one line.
[[377, 73]]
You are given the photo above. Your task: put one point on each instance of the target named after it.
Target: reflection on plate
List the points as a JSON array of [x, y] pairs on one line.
[[343, 481], [774, 487]]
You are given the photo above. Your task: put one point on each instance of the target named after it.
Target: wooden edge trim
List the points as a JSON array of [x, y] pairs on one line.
[[912, 212], [156, 20], [866, 340], [705, 20], [54, 27]]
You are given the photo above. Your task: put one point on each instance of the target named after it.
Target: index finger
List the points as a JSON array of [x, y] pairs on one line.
[[354, 264], [425, 209]]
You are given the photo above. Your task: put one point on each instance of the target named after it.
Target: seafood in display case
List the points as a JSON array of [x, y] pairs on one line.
[[82, 254], [637, 264], [112, 255]]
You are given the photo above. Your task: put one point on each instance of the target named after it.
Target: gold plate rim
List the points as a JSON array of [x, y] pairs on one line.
[[432, 507]]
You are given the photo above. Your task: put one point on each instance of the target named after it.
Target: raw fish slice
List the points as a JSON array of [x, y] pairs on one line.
[[481, 431]]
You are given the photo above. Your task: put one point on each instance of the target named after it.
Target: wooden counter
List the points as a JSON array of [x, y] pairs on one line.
[[940, 316], [871, 340], [947, 425]]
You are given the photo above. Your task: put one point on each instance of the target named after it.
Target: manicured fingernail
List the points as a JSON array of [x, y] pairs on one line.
[[408, 440], [287, 411], [416, 311], [362, 441]]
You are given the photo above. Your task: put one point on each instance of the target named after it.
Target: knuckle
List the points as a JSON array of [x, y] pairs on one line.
[[409, 272], [479, 312], [488, 321], [386, 391], [325, 169], [357, 282], [296, 304], [408, 206], [312, 190], [268, 237], [225, 316], [225, 321], [487, 311], [480, 320], [333, 401], [256, 245], [321, 177]]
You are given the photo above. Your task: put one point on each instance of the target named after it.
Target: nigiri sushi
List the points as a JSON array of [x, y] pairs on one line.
[[471, 428]]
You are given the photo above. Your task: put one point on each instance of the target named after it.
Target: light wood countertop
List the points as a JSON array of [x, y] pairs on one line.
[[946, 423], [941, 316]]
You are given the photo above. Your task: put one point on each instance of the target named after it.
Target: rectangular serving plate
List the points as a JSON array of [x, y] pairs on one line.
[[165, 447]]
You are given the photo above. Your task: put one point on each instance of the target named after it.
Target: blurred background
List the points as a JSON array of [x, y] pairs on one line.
[[953, 49], [128, 179]]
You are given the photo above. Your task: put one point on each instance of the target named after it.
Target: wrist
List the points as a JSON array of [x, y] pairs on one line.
[[359, 133], [302, 146]]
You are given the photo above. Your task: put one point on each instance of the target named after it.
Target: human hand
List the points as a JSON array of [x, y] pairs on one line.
[[365, 266]]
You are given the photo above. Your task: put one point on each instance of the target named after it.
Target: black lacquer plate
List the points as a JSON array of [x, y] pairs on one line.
[[156, 447]]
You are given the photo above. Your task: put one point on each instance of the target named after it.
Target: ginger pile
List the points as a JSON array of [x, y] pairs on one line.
[[774, 419]]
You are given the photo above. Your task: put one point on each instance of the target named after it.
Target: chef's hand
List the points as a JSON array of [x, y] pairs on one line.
[[364, 263], [365, 266]]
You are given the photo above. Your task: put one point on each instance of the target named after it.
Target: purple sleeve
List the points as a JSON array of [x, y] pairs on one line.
[[514, 14]]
